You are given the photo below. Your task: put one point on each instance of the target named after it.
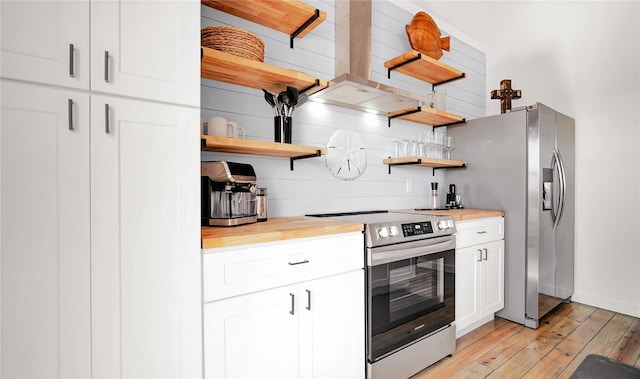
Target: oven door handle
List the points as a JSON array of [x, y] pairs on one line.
[[394, 253]]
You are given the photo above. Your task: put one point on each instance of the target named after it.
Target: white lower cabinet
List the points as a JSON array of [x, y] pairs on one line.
[[305, 329], [479, 272]]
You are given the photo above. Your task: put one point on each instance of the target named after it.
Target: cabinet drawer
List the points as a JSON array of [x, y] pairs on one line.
[[474, 232], [234, 271]]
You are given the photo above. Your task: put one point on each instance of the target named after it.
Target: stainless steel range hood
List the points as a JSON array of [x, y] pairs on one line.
[[353, 87]]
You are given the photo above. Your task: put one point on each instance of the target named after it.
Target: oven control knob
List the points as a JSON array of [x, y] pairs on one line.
[[442, 224], [450, 223], [383, 232], [393, 230]]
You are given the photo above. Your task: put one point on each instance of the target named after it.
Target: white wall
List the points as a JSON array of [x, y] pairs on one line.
[[581, 58], [310, 188]]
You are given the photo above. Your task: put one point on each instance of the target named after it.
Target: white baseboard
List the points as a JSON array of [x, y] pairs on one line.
[[606, 303]]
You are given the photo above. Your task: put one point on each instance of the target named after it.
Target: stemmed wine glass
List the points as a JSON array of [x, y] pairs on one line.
[[448, 146]]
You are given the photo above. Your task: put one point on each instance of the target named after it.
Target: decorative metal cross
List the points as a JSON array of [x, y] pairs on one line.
[[505, 94]]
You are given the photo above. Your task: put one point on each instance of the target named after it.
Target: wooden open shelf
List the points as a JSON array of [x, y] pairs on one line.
[[427, 116], [292, 17], [423, 162], [424, 68], [224, 67], [262, 148]]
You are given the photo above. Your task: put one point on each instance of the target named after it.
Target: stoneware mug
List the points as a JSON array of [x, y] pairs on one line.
[[219, 126]]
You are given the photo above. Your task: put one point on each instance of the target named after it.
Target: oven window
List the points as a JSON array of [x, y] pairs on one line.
[[409, 299], [415, 286]]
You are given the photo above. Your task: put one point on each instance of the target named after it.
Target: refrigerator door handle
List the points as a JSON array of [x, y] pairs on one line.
[[547, 185], [563, 188]]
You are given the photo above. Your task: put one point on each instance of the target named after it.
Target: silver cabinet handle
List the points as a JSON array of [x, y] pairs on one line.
[[486, 254], [106, 66], [106, 119], [480, 258], [308, 300], [71, 59], [293, 303], [298, 263], [482, 232], [70, 111]]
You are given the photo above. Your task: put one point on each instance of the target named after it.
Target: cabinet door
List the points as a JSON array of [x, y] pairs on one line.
[[493, 277], [44, 233], [332, 327], [147, 49], [468, 295], [36, 39], [145, 239], [252, 336]]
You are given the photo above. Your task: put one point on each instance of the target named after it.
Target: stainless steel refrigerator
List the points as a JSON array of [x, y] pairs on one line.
[[523, 162]]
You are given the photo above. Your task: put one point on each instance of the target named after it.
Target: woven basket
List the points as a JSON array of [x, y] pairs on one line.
[[234, 41]]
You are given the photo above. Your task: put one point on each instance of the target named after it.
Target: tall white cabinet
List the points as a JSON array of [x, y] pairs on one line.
[[44, 233], [99, 190]]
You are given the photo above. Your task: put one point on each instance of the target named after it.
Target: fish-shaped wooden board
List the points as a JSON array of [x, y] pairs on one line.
[[424, 36]]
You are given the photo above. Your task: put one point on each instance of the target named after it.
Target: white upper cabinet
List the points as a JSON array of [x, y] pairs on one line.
[[147, 49], [45, 42], [44, 229]]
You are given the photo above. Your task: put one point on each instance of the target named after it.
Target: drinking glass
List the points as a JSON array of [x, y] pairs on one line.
[[449, 145], [430, 144], [439, 143], [397, 149]]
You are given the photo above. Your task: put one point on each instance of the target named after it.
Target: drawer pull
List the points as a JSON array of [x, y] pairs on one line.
[[293, 303], [298, 263], [482, 232]]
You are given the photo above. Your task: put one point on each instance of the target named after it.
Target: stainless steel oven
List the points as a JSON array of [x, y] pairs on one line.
[[410, 289]]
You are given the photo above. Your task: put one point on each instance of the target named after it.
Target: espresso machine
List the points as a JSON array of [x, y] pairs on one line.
[[228, 193]]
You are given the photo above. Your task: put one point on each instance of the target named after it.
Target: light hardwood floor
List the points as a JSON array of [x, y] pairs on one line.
[[503, 349]]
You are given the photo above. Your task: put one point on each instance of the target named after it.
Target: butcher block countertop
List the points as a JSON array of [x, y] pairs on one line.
[[274, 229], [461, 214]]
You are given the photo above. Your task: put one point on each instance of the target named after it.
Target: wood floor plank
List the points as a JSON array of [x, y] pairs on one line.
[[628, 349], [448, 367], [602, 344], [497, 356], [478, 333], [472, 371], [554, 362], [528, 357], [502, 349]]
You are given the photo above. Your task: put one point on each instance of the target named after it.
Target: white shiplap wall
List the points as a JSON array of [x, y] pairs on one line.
[[310, 188]]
